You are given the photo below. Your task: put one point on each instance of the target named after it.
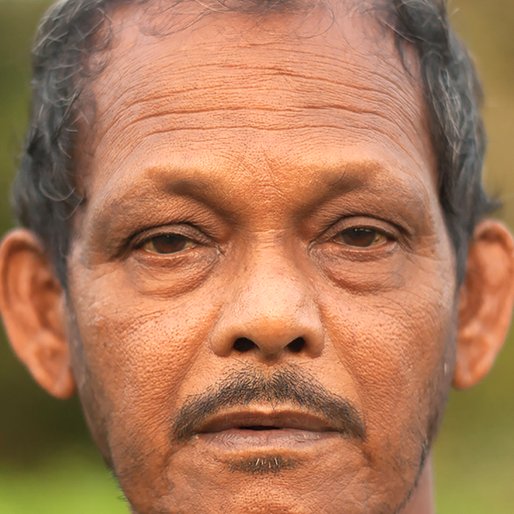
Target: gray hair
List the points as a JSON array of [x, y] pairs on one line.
[[45, 192]]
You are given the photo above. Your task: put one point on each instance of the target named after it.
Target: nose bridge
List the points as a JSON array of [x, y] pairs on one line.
[[271, 306]]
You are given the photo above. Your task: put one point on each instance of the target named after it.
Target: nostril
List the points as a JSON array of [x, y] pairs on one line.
[[297, 345], [244, 345]]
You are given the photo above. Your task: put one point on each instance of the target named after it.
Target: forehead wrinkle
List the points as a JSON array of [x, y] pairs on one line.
[[198, 79], [229, 117], [215, 90], [282, 63], [173, 102]]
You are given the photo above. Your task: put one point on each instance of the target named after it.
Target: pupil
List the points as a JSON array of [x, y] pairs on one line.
[[169, 243]]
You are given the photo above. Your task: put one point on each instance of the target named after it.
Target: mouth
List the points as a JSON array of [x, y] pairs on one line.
[[265, 429]]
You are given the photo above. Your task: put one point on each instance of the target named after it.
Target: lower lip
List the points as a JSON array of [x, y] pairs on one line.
[[283, 438]]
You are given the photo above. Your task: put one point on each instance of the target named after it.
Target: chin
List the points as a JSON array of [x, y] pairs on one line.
[[333, 478]]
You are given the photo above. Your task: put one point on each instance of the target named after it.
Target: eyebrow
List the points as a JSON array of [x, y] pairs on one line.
[[336, 180], [192, 183], [199, 189]]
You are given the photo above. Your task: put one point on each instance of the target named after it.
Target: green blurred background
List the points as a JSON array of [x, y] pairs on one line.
[[47, 463]]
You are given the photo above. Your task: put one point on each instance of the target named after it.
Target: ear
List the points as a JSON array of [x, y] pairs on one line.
[[486, 301], [32, 307]]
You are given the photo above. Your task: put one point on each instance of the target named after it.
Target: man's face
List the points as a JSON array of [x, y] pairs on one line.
[[262, 291]]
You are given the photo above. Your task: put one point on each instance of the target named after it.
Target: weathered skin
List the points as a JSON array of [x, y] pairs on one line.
[[260, 142]]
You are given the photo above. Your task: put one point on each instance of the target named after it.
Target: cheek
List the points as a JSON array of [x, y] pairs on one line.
[[136, 352], [394, 346]]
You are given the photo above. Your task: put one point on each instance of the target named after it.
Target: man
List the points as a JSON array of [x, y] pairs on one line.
[[256, 244]]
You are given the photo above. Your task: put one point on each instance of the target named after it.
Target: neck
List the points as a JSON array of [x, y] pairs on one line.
[[422, 499]]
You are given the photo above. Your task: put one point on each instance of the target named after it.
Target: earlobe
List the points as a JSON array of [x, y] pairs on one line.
[[486, 301], [32, 308]]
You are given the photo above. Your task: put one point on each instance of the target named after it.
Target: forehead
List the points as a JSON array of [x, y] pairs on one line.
[[190, 88]]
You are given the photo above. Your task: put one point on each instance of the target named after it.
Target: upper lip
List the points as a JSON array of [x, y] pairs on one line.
[[273, 418]]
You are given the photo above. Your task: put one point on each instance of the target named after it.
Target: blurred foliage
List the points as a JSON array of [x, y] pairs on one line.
[[47, 464]]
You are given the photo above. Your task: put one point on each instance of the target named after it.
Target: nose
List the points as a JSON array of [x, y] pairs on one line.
[[271, 311]]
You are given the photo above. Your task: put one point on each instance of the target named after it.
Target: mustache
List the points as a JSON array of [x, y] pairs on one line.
[[289, 386]]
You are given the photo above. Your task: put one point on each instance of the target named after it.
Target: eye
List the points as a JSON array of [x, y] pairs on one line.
[[165, 244], [361, 237]]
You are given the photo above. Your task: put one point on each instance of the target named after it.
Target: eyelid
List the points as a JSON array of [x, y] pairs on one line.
[[185, 230], [389, 230]]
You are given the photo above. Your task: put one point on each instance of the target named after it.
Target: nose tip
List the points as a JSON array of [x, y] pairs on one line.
[[268, 331]]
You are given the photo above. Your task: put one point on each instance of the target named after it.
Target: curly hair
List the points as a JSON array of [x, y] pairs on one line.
[[45, 191]]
